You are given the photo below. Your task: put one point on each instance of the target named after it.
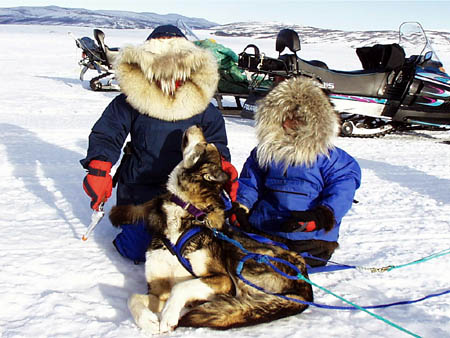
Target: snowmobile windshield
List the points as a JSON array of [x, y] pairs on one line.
[[416, 44], [187, 30]]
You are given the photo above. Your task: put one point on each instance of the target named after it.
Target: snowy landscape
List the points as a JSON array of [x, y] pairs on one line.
[[53, 284]]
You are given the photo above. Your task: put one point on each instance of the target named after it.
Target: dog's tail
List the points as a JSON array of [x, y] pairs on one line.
[[131, 214], [127, 214], [226, 312]]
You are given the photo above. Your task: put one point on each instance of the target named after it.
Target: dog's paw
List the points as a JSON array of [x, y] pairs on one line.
[[169, 318], [143, 316], [168, 324], [148, 322]]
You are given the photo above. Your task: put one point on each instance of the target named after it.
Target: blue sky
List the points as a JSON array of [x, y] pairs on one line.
[[346, 15]]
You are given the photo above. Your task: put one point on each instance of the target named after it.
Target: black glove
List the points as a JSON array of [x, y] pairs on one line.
[[241, 214], [320, 217]]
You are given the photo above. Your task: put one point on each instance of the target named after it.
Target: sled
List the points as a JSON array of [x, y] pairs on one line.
[[97, 56], [230, 110]]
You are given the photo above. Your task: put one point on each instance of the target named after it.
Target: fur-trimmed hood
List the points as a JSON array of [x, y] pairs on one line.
[[149, 75], [313, 132]]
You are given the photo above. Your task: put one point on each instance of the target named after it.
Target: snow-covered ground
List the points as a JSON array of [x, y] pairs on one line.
[[52, 284]]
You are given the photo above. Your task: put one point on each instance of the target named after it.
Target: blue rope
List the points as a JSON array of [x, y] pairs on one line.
[[334, 265], [326, 268], [265, 259]]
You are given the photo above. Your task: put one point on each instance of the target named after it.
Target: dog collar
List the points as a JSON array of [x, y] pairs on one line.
[[197, 213]]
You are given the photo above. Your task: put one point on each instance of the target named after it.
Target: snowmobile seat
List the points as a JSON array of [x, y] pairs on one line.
[[290, 60], [287, 38], [382, 57], [318, 63], [91, 48]]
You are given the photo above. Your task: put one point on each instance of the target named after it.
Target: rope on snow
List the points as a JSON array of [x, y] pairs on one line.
[[264, 259]]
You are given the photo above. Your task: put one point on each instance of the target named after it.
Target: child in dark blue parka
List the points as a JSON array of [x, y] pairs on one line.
[[167, 84], [296, 184]]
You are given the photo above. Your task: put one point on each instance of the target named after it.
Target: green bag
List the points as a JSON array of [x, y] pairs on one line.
[[232, 79]]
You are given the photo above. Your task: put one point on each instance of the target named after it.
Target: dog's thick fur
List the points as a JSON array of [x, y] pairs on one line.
[[216, 297]]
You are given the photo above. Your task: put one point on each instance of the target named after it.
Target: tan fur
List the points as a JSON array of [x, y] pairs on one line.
[[301, 99], [216, 297], [147, 75]]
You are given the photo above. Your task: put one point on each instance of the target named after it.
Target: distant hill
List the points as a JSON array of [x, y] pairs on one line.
[[308, 34], [54, 15]]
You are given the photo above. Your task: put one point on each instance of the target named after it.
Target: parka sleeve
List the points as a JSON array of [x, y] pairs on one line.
[[250, 182], [342, 177], [213, 126], [109, 132]]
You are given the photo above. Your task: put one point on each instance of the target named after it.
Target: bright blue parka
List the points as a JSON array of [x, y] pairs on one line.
[[273, 192], [295, 165]]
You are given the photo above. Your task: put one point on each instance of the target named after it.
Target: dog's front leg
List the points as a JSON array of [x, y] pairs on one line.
[[195, 289]]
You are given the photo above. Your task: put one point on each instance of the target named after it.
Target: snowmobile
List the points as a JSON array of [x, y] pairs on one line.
[[401, 86], [96, 55]]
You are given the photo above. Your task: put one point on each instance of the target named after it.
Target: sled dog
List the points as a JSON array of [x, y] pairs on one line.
[[199, 286]]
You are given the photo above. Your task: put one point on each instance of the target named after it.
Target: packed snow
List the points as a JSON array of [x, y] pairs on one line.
[[53, 284]]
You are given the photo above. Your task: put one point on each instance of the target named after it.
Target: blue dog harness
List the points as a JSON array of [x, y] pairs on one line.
[[188, 235], [178, 248]]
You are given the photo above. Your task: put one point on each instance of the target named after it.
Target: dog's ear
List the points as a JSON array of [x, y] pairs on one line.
[[192, 154], [219, 176]]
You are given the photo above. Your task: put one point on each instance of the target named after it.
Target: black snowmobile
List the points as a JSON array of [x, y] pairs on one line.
[[96, 55], [401, 86]]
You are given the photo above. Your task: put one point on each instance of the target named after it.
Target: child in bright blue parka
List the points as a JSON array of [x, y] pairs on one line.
[[296, 184]]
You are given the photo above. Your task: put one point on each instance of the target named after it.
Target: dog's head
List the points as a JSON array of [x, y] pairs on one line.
[[199, 178]]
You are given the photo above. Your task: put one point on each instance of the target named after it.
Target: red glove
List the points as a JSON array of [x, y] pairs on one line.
[[320, 217], [98, 182], [232, 185]]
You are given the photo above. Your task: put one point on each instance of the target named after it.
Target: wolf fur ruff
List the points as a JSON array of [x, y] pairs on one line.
[[301, 99], [148, 73]]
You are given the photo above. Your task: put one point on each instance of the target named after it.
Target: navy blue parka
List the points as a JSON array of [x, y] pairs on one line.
[[167, 86], [156, 146]]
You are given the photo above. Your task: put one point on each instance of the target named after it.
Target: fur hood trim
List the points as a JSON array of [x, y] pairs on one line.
[[148, 73], [317, 124]]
